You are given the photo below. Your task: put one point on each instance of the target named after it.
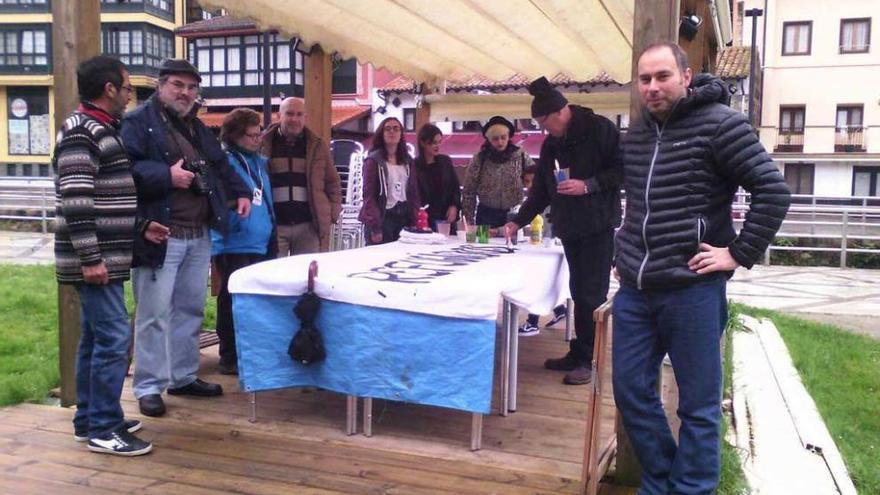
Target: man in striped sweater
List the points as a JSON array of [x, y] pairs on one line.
[[96, 223]]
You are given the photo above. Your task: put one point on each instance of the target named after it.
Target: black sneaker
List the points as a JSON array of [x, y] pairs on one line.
[[528, 329], [120, 442], [131, 426], [557, 317]]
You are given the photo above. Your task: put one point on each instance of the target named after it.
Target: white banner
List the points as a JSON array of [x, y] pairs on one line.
[[453, 280]]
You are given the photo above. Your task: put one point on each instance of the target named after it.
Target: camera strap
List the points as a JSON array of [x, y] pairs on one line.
[[254, 175]]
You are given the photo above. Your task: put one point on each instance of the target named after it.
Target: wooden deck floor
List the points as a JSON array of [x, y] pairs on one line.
[[298, 444]]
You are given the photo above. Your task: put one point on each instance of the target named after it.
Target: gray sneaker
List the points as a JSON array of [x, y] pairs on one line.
[[120, 442]]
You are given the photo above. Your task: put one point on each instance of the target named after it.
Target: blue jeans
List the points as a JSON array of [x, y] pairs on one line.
[[170, 308], [102, 358], [687, 323]]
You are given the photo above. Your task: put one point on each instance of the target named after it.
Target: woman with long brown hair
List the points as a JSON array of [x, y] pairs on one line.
[[438, 184], [391, 196]]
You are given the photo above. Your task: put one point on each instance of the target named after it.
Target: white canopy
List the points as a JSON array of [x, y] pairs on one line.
[[435, 40]]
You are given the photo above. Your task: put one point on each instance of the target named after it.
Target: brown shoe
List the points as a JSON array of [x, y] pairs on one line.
[[565, 363], [581, 375]]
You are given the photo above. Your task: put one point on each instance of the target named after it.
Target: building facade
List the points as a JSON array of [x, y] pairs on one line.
[[820, 109], [139, 32]]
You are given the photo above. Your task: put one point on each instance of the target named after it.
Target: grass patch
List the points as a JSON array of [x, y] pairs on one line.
[[29, 333], [733, 480], [841, 371]]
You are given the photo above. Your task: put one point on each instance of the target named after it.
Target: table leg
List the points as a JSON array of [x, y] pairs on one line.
[[505, 355], [351, 410], [569, 318], [252, 400], [476, 431], [514, 356], [368, 416]]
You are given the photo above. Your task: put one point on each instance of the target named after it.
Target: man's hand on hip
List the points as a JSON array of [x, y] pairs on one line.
[[180, 178], [96, 274], [712, 259]]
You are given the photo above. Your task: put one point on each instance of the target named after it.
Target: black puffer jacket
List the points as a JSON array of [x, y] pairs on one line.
[[680, 178]]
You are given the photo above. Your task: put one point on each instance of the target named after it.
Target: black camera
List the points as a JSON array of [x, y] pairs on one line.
[[199, 184]]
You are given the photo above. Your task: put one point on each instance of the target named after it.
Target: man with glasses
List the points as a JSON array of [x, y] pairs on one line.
[[578, 176], [305, 184], [96, 224], [183, 180]]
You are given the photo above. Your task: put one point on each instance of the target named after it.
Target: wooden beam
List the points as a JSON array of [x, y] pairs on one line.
[[74, 40], [653, 21], [318, 91]]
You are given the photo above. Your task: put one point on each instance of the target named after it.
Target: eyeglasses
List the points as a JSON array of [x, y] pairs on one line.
[[128, 87], [392, 128], [257, 135]]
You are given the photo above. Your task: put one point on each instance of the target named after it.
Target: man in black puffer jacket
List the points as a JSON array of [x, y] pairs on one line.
[[683, 162], [585, 209]]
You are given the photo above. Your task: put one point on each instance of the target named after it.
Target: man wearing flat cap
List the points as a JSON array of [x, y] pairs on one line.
[[578, 176], [183, 181]]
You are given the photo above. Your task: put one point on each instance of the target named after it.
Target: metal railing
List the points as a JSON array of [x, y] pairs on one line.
[[849, 138], [835, 219], [829, 138], [28, 199]]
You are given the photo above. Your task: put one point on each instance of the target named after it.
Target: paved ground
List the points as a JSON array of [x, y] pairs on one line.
[[848, 298]]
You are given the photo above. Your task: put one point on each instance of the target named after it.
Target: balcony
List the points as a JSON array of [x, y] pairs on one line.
[[789, 140], [827, 139], [849, 139]]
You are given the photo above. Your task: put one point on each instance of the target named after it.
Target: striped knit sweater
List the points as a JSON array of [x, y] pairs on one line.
[[95, 200]]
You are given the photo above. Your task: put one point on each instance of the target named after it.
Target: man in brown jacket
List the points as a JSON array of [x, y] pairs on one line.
[[306, 192]]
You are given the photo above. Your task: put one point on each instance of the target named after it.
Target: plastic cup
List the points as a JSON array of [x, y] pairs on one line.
[[483, 234], [562, 174], [443, 228], [462, 235], [471, 233]]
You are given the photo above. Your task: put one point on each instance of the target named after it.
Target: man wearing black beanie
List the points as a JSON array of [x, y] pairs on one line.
[[585, 208]]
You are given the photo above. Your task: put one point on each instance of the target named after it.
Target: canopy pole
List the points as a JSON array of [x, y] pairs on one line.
[[318, 91], [423, 111], [74, 40], [652, 21]]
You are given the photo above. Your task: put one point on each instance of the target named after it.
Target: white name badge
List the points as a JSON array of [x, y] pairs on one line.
[[258, 197]]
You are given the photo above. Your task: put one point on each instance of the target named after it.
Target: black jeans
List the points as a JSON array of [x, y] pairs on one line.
[[226, 264], [395, 219], [589, 266], [493, 217]]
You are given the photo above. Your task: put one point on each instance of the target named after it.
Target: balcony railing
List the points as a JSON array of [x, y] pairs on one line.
[[849, 138], [824, 139], [790, 140]]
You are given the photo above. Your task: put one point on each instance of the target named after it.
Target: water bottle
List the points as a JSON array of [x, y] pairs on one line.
[[537, 230]]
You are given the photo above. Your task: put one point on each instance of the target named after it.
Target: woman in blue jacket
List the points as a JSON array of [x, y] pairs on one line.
[[248, 240]]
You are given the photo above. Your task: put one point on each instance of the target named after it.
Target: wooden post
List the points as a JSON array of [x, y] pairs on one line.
[[652, 21], [423, 111], [75, 38], [318, 91]]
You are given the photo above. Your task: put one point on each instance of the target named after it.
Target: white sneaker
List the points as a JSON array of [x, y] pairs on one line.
[[121, 443]]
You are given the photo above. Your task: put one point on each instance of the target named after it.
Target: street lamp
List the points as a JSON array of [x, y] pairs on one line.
[[754, 14]]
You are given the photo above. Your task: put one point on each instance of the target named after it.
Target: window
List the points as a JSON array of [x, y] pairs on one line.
[[797, 37], [791, 128], [24, 5], [160, 8], [866, 181], [233, 64], [799, 177], [528, 125], [25, 49], [11, 170], [849, 133], [28, 121], [139, 46], [345, 77], [855, 35], [409, 119], [467, 126]]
